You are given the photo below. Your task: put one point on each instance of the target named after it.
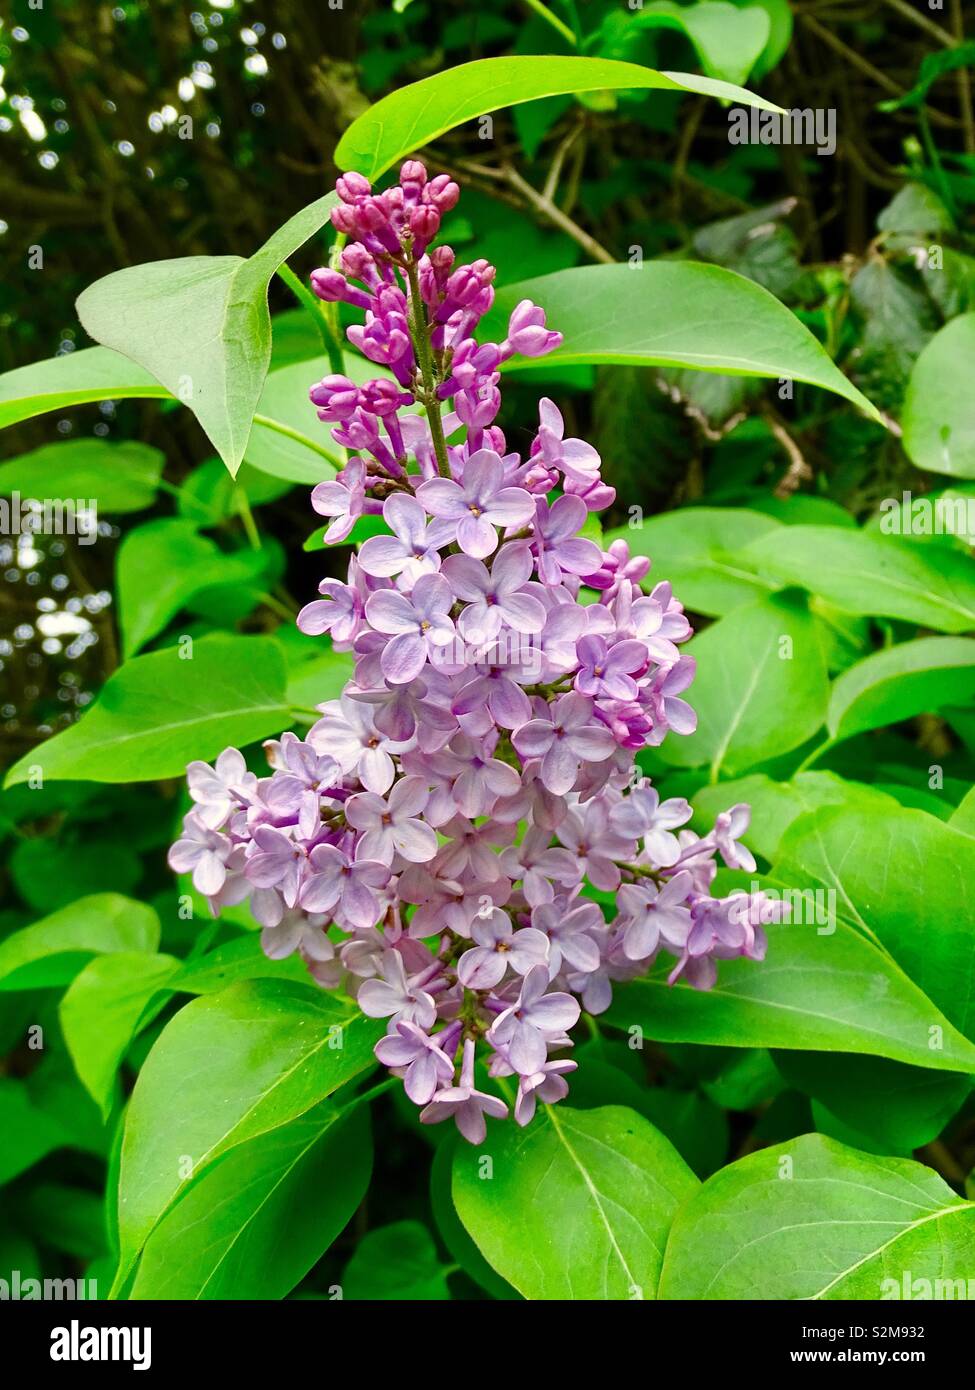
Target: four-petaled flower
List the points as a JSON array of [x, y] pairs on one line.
[[334, 881], [533, 1021], [465, 1103], [564, 739], [498, 946], [413, 548], [478, 504], [418, 626], [392, 826]]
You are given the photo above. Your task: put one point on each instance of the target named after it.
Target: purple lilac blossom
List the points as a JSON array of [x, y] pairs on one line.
[[429, 843]]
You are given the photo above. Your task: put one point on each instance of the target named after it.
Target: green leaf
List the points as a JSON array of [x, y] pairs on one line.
[[911, 678], [753, 664], [48, 1111], [900, 1107], [939, 411], [242, 958], [51, 952], [862, 572], [201, 326], [115, 478], [829, 992], [800, 509], [322, 678], [159, 566], [906, 881], [228, 1068], [697, 1129], [305, 454], [748, 1079], [94, 374], [697, 550], [816, 1220], [577, 1206], [209, 495], [729, 41], [260, 1217], [933, 66], [101, 1013], [412, 116], [944, 517], [29, 1133], [725, 323], [67, 1218], [780, 32], [164, 564], [396, 1262], [51, 875], [775, 805], [54, 1088], [451, 1229], [158, 712], [963, 818]]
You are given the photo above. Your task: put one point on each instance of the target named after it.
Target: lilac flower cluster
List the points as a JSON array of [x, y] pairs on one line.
[[428, 843]]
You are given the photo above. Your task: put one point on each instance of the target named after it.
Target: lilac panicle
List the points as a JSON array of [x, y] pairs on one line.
[[428, 842]]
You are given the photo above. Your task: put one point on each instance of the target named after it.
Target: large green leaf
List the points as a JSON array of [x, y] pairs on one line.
[[829, 992], [905, 880], [412, 116], [816, 1220], [451, 1229], [753, 665], [862, 572], [228, 1068], [101, 1011], [260, 1217], [674, 314], [158, 712], [900, 1107], [240, 958], [322, 678], [907, 679], [939, 408], [697, 550], [52, 951], [775, 805], [114, 477], [94, 374], [201, 326], [576, 1206]]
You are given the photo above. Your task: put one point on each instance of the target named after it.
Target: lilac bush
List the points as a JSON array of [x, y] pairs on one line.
[[431, 842]]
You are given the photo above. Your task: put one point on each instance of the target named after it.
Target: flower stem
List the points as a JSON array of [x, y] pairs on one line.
[[280, 427], [421, 342], [557, 24], [319, 313]]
